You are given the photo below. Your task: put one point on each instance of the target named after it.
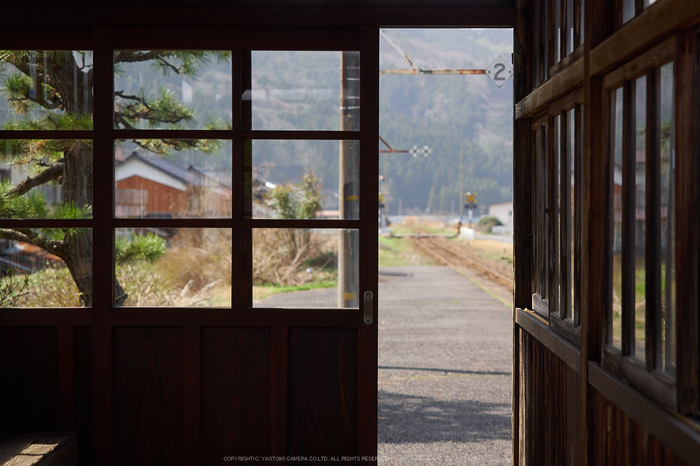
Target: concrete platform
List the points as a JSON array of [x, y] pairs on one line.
[[445, 362]]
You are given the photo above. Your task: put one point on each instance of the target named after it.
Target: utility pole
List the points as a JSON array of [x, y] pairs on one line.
[[349, 248]]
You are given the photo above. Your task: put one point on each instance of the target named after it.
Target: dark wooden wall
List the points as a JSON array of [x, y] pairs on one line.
[[550, 403], [617, 439], [572, 404]]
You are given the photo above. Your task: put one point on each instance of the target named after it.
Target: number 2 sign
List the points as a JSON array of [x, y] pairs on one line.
[[499, 71]]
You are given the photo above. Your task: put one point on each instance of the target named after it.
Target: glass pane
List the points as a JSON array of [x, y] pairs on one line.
[[183, 178], [544, 232], [556, 302], [615, 323], [172, 89], [45, 89], [299, 268], [46, 267], [175, 267], [45, 178], [300, 179], [570, 190], [628, 10], [638, 348], [301, 90], [557, 30], [570, 45], [582, 22], [540, 277], [668, 223]]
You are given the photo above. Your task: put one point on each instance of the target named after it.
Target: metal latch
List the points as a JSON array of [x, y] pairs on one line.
[[369, 307]]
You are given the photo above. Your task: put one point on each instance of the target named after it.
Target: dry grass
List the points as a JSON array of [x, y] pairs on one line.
[[195, 271], [286, 257]]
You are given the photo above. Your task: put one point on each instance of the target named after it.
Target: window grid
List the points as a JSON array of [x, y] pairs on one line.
[[641, 153]]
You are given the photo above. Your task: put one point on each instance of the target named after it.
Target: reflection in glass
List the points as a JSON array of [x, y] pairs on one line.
[[640, 222], [300, 90], [175, 267], [668, 224], [45, 178], [541, 236], [172, 89], [546, 214], [571, 189], [570, 45], [46, 267], [556, 303], [615, 324], [557, 30], [184, 178], [582, 22], [46, 89], [298, 268], [628, 10]]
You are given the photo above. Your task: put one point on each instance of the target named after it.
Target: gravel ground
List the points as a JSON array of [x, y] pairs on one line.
[[445, 361]]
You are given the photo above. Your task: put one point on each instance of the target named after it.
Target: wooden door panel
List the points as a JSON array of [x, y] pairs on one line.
[[82, 395], [29, 380], [235, 393], [147, 396], [322, 387]]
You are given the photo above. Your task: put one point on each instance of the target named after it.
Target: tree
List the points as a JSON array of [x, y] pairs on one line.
[[53, 90], [300, 201]]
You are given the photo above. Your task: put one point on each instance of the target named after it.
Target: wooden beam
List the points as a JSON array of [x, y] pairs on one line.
[[677, 433], [538, 328], [399, 16], [557, 86], [687, 82], [655, 24]]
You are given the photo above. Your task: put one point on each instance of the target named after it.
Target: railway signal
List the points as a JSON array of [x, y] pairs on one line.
[[470, 204], [470, 200]]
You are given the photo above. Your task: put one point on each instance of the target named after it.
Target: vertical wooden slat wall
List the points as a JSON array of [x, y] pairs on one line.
[[569, 408]]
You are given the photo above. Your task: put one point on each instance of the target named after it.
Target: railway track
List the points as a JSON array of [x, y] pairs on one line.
[[440, 249]]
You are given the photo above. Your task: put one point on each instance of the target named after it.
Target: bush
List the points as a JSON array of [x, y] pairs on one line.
[[277, 260], [486, 223], [50, 287]]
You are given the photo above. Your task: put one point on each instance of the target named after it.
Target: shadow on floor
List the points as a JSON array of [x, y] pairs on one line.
[[418, 419]]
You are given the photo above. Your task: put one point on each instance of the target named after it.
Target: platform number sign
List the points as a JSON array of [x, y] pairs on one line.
[[499, 71]]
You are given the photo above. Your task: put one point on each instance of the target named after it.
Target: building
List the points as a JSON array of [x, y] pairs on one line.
[[152, 186], [503, 211]]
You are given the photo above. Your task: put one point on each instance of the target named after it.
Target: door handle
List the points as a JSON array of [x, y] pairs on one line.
[[369, 307]]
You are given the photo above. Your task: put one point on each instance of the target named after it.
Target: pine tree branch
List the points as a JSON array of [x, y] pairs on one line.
[[131, 57], [52, 246], [53, 172]]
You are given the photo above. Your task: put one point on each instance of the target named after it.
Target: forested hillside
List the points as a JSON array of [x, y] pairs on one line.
[[466, 120]]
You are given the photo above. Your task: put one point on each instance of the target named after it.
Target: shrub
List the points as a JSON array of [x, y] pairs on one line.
[[486, 223]]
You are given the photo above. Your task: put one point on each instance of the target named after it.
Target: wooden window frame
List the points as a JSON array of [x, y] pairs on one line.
[[103, 42], [541, 199], [678, 393], [552, 246]]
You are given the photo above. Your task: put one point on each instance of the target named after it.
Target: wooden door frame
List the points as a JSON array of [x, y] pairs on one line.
[[105, 29]]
